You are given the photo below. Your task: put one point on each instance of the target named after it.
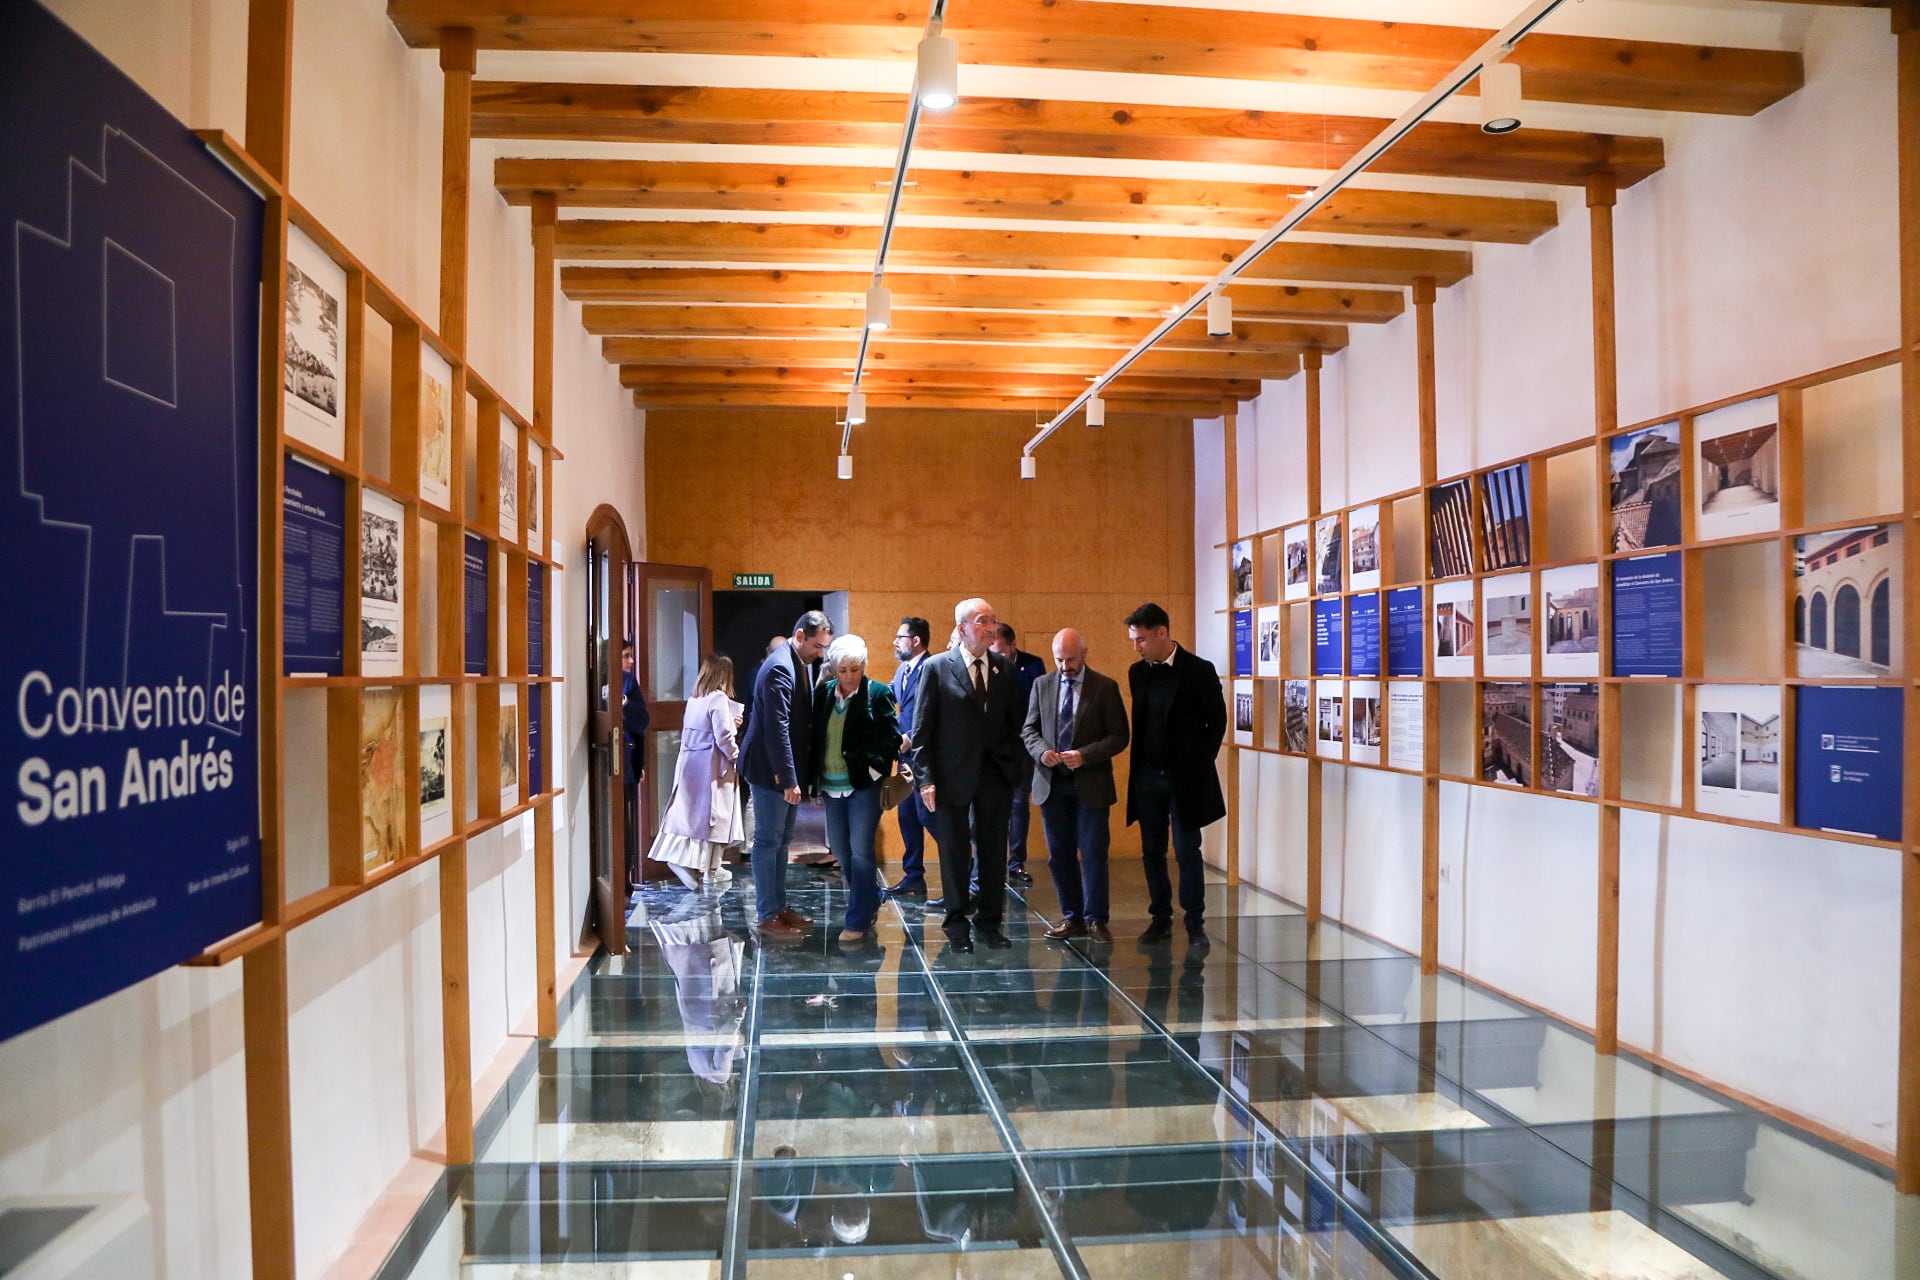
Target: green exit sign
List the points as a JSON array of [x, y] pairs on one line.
[[754, 580]]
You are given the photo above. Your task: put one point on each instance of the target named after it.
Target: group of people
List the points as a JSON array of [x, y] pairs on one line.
[[979, 732]]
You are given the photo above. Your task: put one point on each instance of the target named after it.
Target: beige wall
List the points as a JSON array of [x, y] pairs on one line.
[[937, 512]]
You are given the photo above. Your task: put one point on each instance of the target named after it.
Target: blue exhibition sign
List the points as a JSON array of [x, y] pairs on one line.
[[474, 556], [1847, 759], [536, 619], [313, 620], [1327, 643], [1363, 634], [1649, 626], [1243, 643], [129, 411], [1406, 633]]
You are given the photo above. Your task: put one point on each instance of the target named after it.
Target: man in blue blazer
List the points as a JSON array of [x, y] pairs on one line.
[[775, 760], [966, 756], [910, 643]]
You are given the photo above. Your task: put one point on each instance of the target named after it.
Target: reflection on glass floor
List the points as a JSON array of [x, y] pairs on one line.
[[1291, 1101]]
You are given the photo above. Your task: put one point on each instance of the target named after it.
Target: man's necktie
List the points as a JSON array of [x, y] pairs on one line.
[[1065, 735], [979, 682]]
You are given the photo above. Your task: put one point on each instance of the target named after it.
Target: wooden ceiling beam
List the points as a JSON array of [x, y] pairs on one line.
[[882, 404], [1059, 387], [723, 286], [946, 326], [961, 249], [993, 359], [824, 118], [860, 191], [1084, 35]]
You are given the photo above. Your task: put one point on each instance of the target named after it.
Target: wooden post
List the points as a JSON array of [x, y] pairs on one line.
[[264, 1012], [456, 176], [270, 84], [1906, 26], [1424, 292], [1311, 361], [1601, 194], [546, 215], [456, 1017], [1230, 437]]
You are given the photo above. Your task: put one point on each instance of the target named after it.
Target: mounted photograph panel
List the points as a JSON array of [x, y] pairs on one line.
[[1570, 739], [1506, 518], [1848, 603], [1364, 721], [1330, 719], [1450, 529], [1506, 624], [1297, 712], [1329, 558], [436, 764], [383, 780], [1243, 713], [1738, 751], [1363, 548], [1297, 571], [1455, 633], [383, 578], [1506, 734], [130, 431], [1240, 575], [1737, 453], [1570, 607], [536, 540], [1267, 629], [436, 428], [1646, 487], [315, 365], [509, 479]]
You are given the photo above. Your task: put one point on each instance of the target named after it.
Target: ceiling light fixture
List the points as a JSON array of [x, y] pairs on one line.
[[1096, 412], [846, 466], [938, 69], [879, 308], [1219, 315], [1487, 55], [1027, 466], [1500, 100], [856, 410]]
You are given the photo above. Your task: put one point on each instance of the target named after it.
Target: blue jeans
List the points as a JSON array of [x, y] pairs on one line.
[[852, 821], [1077, 840], [1156, 809], [772, 830]]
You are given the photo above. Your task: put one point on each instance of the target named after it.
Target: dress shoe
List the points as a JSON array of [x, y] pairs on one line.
[[1198, 944], [1018, 875], [907, 887], [961, 943], [1098, 932], [793, 919], [1066, 929], [774, 929], [995, 940], [937, 904], [1157, 932]]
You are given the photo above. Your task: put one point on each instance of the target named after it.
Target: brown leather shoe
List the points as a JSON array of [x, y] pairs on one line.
[[1066, 929], [1098, 932], [793, 919], [774, 929]]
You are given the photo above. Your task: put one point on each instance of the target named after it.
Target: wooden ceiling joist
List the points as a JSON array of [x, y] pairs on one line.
[[819, 118], [990, 359], [844, 190], [882, 402], [1058, 387], [1086, 35], [699, 287], [946, 326], [1095, 253]]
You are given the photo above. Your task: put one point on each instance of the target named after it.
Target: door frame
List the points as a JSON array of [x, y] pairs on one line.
[[663, 716], [606, 535]]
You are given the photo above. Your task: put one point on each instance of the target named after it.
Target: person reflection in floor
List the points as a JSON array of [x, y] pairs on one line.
[[705, 958]]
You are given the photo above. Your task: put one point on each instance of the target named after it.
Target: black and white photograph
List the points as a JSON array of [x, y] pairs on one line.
[[1506, 519], [1330, 719], [1298, 714], [1570, 739], [1297, 554], [1243, 713], [536, 459], [1241, 575], [1570, 644], [1645, 468], [1506, 734], [316, 284], [1450, 529], [1846, 612], [509, 480], [1363, 548], [1363, 722], [1506, 619], [1738, 458], [1738, 757], [382, 573], [436, 809], [1328, 566], [1266, 640]]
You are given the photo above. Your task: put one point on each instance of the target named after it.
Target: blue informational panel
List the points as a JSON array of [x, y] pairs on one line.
[[536, 698], [475, 555], [313, 621], [1243, 643], [1327, 642], [1848, 753], [1649, 629], [536, 666], [1406, 632], [130, 517], [1363, 634]]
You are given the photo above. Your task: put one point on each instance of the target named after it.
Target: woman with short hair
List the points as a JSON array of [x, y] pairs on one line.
[[856, 733], [703, 817]]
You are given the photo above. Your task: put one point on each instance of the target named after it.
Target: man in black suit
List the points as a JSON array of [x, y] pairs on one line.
[[1075, 726], [1179, 719], [775, 758], [966, 755], [1029, 668], [633, 723]]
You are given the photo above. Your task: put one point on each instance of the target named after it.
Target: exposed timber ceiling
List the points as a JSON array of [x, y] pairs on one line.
[[721, 171]]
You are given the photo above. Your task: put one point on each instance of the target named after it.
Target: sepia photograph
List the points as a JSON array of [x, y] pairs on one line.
[[436, 427], [1645, 468], [1506, 529], [383, 796], [1295, 700], [509, 742], [1506, 734], [1845, 610]]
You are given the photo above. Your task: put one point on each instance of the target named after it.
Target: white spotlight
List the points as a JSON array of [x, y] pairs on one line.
[[879, 307], [1500, 99], [856, 408], [1219, 315], [1096, 412], [1026, 466], [846, 466], [938, 67]]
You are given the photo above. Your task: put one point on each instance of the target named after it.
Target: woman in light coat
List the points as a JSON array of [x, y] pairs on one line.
[[704, 816]]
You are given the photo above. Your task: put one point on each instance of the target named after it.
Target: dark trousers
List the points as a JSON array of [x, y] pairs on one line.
[[1157, 810], [969, 836], [1077, 839], [630, 821], [1021, 818], [915, 822]]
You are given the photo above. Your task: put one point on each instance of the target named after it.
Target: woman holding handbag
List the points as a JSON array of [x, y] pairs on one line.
[[703, 817], [856, 738]]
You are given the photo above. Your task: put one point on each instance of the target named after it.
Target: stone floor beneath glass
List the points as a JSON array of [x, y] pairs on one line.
[[1285, 1100]]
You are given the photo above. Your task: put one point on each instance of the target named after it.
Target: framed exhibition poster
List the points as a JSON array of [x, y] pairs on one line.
[[315, 362], [1506, 625], [1363, 548], [1297, 562], [1570, 640], [436, 428], [1737, 454], [1737, 762], [1363, 721], [1267, 630], [1456, 637], [1644, 468]]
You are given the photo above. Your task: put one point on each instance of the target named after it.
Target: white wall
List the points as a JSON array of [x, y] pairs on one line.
[[1764, 250], [149, 1096]]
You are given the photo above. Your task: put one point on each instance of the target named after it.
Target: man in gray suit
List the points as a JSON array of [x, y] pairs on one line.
[[1076, 725], [966, 755]]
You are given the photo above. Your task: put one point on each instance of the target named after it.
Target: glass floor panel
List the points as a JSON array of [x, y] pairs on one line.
[[1286, 1101]]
